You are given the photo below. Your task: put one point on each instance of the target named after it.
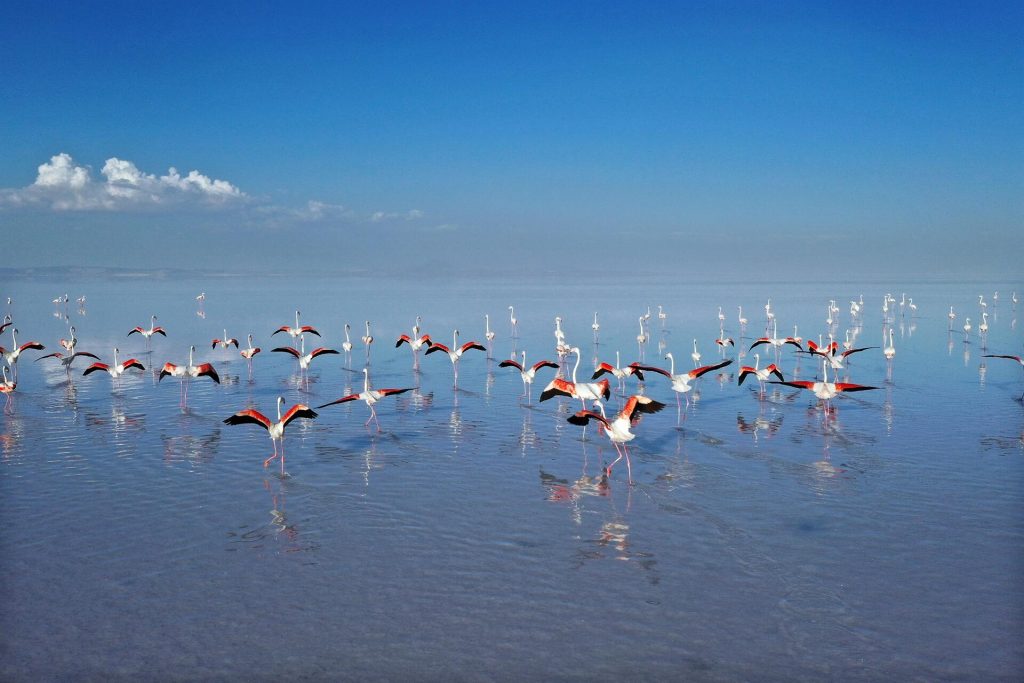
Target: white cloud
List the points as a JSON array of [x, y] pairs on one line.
[[62, 185], [381, 216]]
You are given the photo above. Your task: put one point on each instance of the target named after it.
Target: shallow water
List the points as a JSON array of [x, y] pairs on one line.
[[474, 537]]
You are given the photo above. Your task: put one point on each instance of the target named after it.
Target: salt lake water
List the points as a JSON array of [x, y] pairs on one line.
[[474, 537]]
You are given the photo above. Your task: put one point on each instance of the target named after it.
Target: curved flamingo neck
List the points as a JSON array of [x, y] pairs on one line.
[[575, 367], [672, 364]]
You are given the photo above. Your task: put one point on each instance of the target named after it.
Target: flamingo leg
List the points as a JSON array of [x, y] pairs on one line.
[[608, 469], [267, 461]]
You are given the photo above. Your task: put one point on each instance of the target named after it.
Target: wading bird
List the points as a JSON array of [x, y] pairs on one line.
[[369, 396], [618, 428], [294, 332], [115, 370], [11, 357], [153, 329], [583, 391], [185, 373], [224, 342], [455, 352], [274, 429], [527, 373], [824, 389]]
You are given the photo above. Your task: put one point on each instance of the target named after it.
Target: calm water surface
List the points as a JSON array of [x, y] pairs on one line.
[[474, 537]]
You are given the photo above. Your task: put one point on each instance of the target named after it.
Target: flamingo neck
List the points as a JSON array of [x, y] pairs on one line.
[[672, 364], [574, 367], [366, 380]]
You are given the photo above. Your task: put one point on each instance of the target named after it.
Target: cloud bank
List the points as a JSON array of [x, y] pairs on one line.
[[63, 185]]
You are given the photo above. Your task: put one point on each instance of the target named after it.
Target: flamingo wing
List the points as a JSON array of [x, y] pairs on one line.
[[94, 367], [508, 364], [206, 370], [76, 354], [343, 399], [137, 330], [55, 354], [602, 369], [558, 387], [296, 411], [31, 345], [392, 392], [471, 345], [744, 371], [249, 417], [583, 418], [697, 372], [998, 355], [437, 347], [286, 349], [847, 386], [794, 342], [283, 328], [651, 368], [310, 329], [544, 364], [799, 384], [640, 404], [863, 348], [321, 352], [762, 340], [403, 339], [132, 363], [159, 330], [167, 369]]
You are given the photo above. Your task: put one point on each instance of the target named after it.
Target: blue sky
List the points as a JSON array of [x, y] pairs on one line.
[[700, 136]]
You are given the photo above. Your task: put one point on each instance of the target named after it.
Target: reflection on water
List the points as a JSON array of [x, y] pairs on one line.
[[809, 536]]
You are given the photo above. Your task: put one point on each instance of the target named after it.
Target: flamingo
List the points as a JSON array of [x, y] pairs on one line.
[[981, 301], [618, 428], [574, 389], [224, 342], [889, 351], [620, 373], [721, 316], [967, 328], [742, 320], [695, 355], [7, 388], [662, 316], [249, 352], [488, 335], [829, 354], [67, 359], [983, 327], [201, 298], [527, 374], [300, 354], [515, 322], [762, 374], [952, 316], [115, 370], [147, 334], [455, 352], [415, 344], [824, 389], [185, 373], [346, 345], [294, 332], [370, 396], [595, 326], [11, 357], [69, 344], [681, 382], [724, 341], [642, 337], [274, 429], [777, 342], [1019, 360]]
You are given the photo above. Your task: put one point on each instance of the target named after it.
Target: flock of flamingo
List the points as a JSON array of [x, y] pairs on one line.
[[593, 395]]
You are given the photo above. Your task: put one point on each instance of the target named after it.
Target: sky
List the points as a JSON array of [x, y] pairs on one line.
[[597, 139]]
